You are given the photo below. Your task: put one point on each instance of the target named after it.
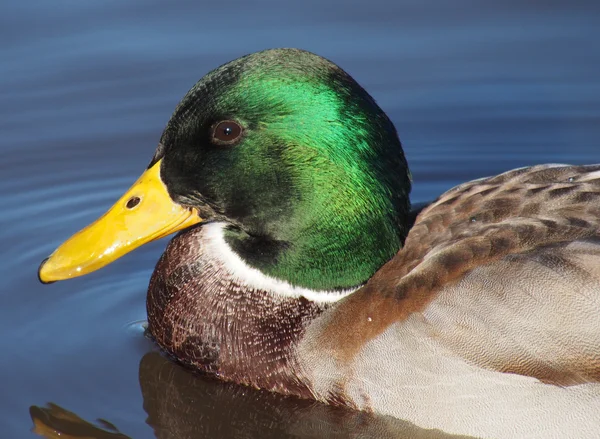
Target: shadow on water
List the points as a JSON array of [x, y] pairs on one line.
[[182, 405]]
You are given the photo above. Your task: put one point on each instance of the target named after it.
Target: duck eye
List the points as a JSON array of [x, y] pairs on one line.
[[227, 132]]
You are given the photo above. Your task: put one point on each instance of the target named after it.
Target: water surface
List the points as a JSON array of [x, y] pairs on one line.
[[86, 88]]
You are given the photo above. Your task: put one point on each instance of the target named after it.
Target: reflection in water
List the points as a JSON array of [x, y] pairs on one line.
[[54, 422], [182, 405]]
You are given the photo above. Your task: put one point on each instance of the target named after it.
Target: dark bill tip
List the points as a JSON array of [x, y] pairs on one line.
[[39, 271]]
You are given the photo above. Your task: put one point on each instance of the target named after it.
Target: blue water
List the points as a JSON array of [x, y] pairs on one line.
[[475, 88]]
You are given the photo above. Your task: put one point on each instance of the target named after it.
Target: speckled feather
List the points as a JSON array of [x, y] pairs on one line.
[[475, 224]]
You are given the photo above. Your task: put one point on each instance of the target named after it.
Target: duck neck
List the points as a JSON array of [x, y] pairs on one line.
[[325, 243]]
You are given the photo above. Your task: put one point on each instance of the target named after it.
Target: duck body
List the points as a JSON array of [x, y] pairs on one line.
[[306, 275], [485, 355]]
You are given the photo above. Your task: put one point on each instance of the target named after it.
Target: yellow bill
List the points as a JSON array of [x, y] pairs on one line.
[[145, 213]]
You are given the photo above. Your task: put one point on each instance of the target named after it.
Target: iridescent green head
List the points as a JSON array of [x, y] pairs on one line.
[[299, 159]]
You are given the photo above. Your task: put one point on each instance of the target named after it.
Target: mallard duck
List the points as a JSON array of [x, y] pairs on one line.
[[298, 268]]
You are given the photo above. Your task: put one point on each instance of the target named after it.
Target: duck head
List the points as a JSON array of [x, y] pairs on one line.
[[286, 149]]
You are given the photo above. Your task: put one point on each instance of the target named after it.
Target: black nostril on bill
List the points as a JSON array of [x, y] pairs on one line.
[[132, 202], [40, 269]]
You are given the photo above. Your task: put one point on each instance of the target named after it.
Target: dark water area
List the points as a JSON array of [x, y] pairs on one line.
[[474, 88]]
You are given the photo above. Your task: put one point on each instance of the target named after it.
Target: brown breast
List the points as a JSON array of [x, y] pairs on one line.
[[207, 320]]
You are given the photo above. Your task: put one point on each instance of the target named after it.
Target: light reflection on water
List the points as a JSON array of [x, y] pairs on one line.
[[87, 88]]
